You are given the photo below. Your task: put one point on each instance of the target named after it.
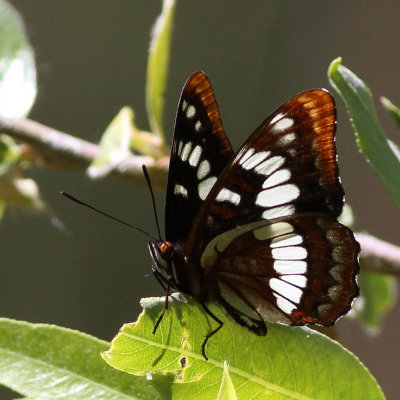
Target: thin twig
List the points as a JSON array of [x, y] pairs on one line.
[[378, 256], [59, 150]]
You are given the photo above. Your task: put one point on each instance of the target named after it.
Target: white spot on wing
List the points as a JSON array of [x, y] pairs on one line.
[[339, 255], [337, 272], [180, 190], [184, 105], [297, 280], [289, 253], [246, 155], [197, 126], [278, 195], [286, 139], [186, 151], [285, 305], [276, 118], [190, 112], [273, 230], [255, 159], [180, 145], [333, 291], [228, 195], [282, 124], [276, 212], [277, 177], [285, 289], [284, 267], [205, 186], [195, 156], [204, 169], [287, 240], [269, 166]]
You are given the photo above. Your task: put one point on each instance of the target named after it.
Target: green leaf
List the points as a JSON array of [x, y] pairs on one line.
[[114, 144], [17, 67], [288, 363], [393, 110], [49, 362], [157, 67], [14, 188], [9, 153], [227, 389], [377, 298], [20, 192], [370, 137]]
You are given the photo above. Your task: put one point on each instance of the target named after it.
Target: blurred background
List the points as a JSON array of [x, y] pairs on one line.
[[91, 57]]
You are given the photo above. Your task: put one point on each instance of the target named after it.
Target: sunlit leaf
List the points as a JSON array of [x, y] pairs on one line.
[[20, 192], [49, 362], [393, 110], [227, 389], [288, 363], [17, 66], [371, 140], [157, 67], [114, 144]]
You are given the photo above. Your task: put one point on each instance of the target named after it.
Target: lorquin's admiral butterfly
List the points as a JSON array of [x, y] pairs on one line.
[[256, 232]]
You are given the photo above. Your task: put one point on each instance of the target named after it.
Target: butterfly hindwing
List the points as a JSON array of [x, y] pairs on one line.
[[293, 270], [200, 151]]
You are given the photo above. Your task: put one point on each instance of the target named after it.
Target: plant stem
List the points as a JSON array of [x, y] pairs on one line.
[[59, 150], [378, 256]]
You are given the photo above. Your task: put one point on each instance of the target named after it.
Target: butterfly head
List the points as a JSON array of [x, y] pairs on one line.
[[161, 253]]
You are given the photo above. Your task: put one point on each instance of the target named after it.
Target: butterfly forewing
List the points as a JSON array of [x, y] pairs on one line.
[[287, 166], [200, 151]]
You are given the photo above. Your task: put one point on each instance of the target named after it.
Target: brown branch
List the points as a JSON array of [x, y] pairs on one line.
[[59, 150], [378, 256]]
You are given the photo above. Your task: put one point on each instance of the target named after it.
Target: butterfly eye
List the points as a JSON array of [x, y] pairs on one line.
[[165, 249]]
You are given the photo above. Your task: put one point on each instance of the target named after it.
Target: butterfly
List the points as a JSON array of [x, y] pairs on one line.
[[256, 231]]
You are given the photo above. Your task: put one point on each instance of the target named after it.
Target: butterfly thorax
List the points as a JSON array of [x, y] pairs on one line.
[[172, 268]]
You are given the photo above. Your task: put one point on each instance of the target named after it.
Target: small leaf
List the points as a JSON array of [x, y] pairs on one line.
[[393, 110], [9, 153], [20, 192], [16, 190], [377, 298], [17, 67], [370, 137], [49, 362], [288, 363], [227, 390], [148, 144], [114, 144], [157, 67]]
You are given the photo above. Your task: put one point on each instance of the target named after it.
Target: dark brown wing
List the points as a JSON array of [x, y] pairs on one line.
[[200, 151], [286, 167], [293, 270]]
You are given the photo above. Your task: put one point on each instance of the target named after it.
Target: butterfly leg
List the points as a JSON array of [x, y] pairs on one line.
[[167, 294], [213, 332]]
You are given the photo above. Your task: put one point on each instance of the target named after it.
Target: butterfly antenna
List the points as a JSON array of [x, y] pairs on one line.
[[146, 175], [82, 203]]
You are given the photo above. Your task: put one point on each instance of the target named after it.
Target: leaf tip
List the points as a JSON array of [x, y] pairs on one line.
[[334, 65]]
